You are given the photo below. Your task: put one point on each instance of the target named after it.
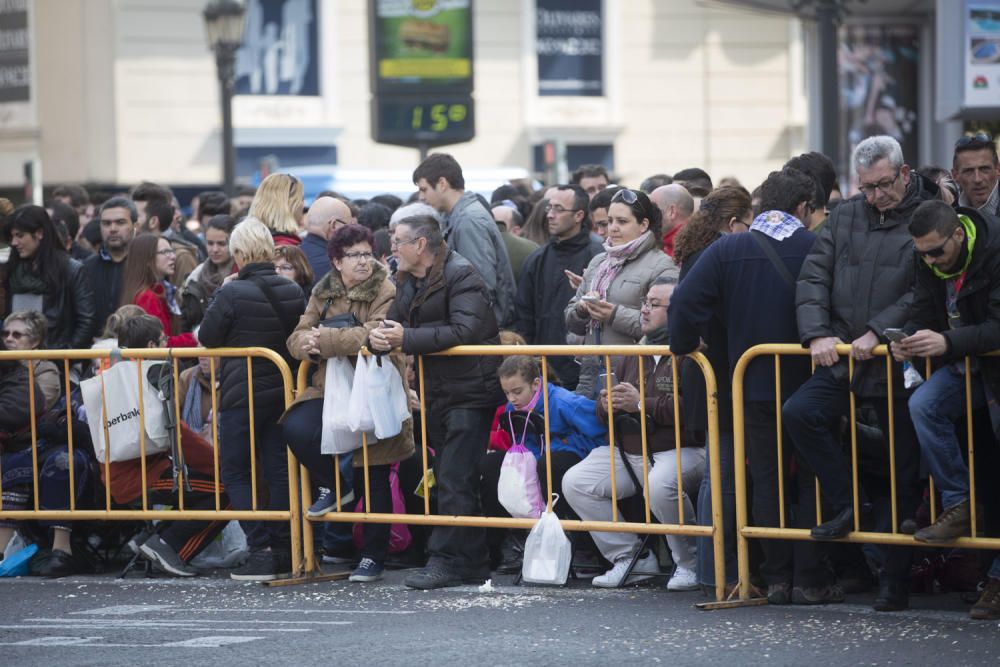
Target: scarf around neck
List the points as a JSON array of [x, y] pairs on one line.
[[776, 224], [614, 259], [211, 276]]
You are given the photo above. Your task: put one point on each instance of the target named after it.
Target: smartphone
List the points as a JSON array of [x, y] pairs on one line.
[[590, 297], [895, 335], [605, 381]]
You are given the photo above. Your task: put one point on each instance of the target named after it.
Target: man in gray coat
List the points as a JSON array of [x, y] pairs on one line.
[[469, 229], [855, 284]]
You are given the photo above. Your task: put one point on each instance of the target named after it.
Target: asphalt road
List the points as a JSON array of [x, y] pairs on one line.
[[97, 620]]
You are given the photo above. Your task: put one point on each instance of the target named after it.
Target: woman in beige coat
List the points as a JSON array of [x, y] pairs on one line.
[[356, 286], [606, 304]]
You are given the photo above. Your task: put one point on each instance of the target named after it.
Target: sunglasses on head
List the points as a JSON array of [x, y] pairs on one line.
[[977, 138], [625, 195], [292, 182]]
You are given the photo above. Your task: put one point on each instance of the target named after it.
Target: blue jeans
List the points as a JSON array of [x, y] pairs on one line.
[[935, 407]]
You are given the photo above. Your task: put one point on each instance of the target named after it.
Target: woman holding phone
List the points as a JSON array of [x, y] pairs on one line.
[[606, 305]]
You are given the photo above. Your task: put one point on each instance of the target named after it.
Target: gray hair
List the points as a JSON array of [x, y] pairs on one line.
[[411, 210], [876, 148]]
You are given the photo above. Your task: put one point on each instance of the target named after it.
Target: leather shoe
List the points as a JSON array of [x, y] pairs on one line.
[[892, 596], [59, 564], [837, 527]]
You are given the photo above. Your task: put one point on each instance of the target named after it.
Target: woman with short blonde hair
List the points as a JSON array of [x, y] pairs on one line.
[[251, 242], [278, 205]]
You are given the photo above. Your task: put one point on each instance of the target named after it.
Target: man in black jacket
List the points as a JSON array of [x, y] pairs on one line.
[[544, 289], [441, 301], [103, 270], [855, 284], [956, 314]]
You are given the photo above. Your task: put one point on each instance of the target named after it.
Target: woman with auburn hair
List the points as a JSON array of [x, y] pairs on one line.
[[724, 211], [278, 204], [291, 262], [146, 283]]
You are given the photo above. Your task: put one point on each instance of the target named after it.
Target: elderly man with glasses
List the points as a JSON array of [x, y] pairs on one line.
[[855, 284]]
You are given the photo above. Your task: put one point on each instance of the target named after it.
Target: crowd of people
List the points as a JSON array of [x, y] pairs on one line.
[[912, 260]]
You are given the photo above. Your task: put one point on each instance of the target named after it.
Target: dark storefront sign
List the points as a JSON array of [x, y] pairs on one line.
[[280, 52], [570, 47], [15, 68]]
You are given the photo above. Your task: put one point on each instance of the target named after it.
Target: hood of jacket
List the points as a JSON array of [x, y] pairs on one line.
[[331, 286]]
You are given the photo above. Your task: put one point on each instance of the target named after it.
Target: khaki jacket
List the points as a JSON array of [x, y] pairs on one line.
[[369, 302]]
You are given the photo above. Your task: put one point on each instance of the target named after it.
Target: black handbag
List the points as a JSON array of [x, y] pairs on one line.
[[342, 321]]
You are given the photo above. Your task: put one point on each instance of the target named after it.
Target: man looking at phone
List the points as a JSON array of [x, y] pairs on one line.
[[543, 289], [956, 314], [587, 485], [855, 283]]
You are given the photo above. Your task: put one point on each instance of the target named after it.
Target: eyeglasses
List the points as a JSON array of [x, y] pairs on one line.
[[358, 255], [334, 222], [284, 267], [646, 304], [395, 243], [166, 252], [16, 335], [559, 210], [935, 252], [870, 188], [977, 138], [292, 182], [625, 195]]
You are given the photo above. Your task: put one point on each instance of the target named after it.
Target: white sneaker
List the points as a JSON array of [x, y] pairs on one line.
[[645, 568], [683, 579]]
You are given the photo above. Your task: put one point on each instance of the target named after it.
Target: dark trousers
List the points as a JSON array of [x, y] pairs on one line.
[[785, 561], [303, 430], [459, 437], [812, 417], [272, 462], [706, 551], [188, 538]]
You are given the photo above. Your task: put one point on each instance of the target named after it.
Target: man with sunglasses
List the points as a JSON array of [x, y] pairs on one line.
[[855, 284], [976, 169], [955, 315]]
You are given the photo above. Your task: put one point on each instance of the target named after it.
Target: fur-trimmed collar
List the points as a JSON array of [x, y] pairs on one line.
[[331, 286]]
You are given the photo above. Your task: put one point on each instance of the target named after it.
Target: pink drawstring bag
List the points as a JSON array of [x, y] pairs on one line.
[[519, 490]]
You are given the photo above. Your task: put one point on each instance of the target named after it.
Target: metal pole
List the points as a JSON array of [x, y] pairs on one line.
[[225, 57], [826, 22]]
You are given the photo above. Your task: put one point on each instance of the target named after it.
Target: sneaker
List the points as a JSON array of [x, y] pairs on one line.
[[327, 502], [645, 568], [367, 570], [780, 593], [683, 579], [440, 576], [139, 539], [818, 595], [988, 605], [262, 565], [164, 556], [954, 522]]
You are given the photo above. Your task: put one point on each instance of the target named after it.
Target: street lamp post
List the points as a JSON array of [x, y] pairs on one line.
[[224, 23]]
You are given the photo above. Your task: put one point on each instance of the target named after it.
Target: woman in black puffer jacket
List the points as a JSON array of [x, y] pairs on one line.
[[254, 308]]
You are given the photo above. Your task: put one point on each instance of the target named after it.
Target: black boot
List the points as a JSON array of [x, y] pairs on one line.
[[892, 596], [837, 527]]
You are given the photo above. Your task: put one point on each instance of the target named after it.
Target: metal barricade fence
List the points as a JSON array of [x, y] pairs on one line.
[[110, 510], [745, 531], [614, 524]]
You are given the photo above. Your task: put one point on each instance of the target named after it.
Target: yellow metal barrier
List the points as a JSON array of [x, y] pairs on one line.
[[109, 512], [744, 531], [715, 531]]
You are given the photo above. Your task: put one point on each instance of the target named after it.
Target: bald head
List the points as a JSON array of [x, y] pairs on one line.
[[326, 215], [676, 204]]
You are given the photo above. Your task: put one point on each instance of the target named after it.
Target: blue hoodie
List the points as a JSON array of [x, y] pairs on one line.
[[573, 424]]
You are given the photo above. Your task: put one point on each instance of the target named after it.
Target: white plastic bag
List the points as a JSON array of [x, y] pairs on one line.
[[227, 550], [519, 490], [337, 435], [359, 416], [547, 553], [387, 397], [121, 392]]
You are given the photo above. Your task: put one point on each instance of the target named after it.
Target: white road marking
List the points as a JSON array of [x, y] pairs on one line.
[[168, 623], [294, 611], [210, 642], [123, 609], [137, 626], [200, 642]]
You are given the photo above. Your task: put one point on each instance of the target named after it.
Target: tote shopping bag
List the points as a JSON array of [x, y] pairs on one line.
[[120, 388], [359, 416], [386, 397], [338, 437]]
